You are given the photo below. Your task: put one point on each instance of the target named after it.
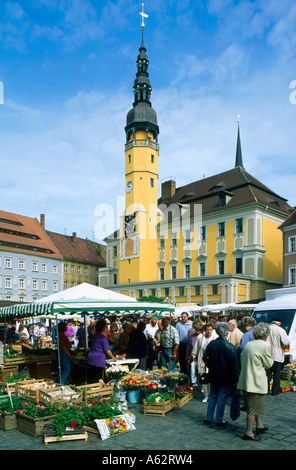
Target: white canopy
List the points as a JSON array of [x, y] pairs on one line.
[[84, 298]]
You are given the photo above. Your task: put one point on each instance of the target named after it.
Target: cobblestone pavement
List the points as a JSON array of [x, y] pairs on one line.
[[180, 430]]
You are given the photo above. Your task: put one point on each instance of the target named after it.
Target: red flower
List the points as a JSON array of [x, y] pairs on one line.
[[72, 424]]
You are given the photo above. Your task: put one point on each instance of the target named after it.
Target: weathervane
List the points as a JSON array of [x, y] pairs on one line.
[[144, 15]]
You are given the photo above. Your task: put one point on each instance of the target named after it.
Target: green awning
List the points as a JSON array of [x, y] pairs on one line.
[[81, 306]]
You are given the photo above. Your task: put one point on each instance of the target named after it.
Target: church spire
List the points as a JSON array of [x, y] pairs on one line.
[[238, 156]]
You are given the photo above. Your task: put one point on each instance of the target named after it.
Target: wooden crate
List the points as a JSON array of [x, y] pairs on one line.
[[40, 369], [159, 409], [16, 347], [32, 426], [12, 387], [56, 394], [49, 435], [184, 400], [94, 390], [8, 420], [6, 372], [31, 391], [13, 361]]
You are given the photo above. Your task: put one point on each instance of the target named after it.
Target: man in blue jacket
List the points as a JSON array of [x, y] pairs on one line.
[[221, 359]]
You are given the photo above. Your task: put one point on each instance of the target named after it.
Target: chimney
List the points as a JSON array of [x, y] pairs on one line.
[[42, 221], [168, 189], [74, 235]]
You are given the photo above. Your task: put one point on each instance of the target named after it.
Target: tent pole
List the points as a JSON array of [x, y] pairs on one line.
[[59, 356], [86, 346]]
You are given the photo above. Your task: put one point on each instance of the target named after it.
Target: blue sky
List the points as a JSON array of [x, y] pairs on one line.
[[68, 66]]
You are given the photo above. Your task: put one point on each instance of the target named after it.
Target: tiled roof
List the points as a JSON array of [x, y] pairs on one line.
[[24, 234], [291, 220], [79, 249], [243, 188]]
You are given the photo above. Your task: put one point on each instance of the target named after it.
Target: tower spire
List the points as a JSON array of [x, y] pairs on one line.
[[142, 115], [238, 156]]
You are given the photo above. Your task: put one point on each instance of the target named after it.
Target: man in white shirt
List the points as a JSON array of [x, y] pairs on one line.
[[278, 340], [150, 331]]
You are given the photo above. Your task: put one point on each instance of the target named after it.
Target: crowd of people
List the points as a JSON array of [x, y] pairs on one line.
[[219, 357]]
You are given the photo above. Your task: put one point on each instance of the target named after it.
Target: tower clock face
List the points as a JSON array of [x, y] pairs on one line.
[[129, 186]]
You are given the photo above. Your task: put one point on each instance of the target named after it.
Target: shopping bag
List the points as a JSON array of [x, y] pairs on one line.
[[235, 405]]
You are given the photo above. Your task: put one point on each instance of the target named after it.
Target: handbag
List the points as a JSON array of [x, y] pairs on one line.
[[204, 379], [235, 405]]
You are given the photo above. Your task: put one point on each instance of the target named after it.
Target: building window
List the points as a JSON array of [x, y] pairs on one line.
[[85, 271], [65, 284], [196, 290], [35, 266], [55, 286], [78, 269], [222, 199], [21, 264], [203, 232], [202, 269], [187, 236], [8, 282], [140, 292], [8, 263], [152, 158], [187, 271], [152, 182], [22, 298], [35, 284], [215, 289], [174, 239], [238, 265], [292, 275], [181, 291], [174, 272], [21, 283], [114, 278], [129, 158], [161, 274], [72, 269], [166, 291], [55, 269], [153, 292], [239, 225], [162, 242], [65, 268], [43, 268], [44, 285], [292, 244], [221, 266], [221, 229]]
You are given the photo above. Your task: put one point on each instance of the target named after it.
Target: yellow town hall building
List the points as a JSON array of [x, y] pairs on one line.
[[211, 241]]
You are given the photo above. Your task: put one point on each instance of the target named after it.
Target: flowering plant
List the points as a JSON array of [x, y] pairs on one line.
[[75, 415], [132, 384], [35, 410], [182, 391], [116, 372], [159, 397]]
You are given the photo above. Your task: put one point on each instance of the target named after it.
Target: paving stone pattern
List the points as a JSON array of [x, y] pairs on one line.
[[181, 430]]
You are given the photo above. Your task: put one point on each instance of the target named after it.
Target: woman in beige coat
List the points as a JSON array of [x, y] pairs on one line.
[[255, 360]]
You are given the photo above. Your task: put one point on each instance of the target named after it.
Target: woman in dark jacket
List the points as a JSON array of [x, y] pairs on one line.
[[221, 359]]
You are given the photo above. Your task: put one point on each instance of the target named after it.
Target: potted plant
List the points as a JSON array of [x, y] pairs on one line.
[[32, 417]]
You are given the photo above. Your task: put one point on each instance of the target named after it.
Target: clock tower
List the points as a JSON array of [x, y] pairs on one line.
[[138, 229]]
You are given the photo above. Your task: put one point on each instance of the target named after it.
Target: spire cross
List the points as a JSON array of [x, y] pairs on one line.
[[144, 15]]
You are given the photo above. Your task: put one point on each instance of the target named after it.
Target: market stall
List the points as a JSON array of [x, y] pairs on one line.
[[84, 300]]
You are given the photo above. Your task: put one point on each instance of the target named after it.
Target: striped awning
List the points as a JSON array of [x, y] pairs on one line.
[[36, 309]]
